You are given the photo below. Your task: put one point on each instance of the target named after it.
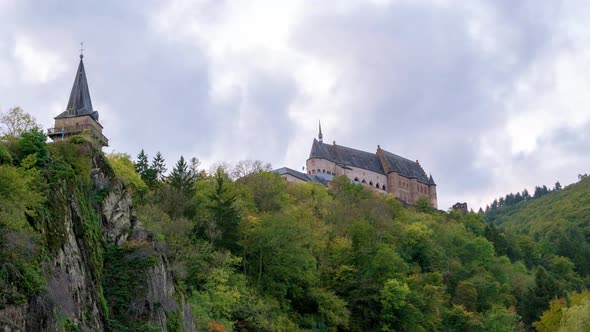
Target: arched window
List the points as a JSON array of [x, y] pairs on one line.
[[371, 183], [356, 179], [364, 181], [383, 187], [377, 185], [313, 171]]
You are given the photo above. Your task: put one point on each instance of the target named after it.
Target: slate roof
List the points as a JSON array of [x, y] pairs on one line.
[[406, 167], [79, 103], [346, 156], [322, 178]]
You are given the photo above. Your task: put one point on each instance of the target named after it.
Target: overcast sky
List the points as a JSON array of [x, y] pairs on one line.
[[490, 96]]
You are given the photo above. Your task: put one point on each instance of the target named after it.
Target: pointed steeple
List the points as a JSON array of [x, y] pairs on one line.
[[320, 136], [79, 102], [431, 180]]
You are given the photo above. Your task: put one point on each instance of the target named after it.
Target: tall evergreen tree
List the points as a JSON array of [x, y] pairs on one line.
[[225, 214], [181, 178], [142, 164], [159, 165]]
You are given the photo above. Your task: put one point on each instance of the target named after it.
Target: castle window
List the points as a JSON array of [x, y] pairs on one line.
[[356, 179], [383, 187], [371, 183], [364, 181], [377, 186], [313, 171]]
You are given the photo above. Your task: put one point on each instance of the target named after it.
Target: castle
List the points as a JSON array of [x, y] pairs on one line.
[[382, 172], [79, 115]]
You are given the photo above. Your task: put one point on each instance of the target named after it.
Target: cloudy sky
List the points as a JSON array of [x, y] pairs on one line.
[[490, 96]]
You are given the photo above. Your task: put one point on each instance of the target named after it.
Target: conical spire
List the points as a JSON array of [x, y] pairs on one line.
[[320, 136], [431, 180], [80, 102]]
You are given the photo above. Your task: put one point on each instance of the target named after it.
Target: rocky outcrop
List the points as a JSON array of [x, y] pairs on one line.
[[82, 221]]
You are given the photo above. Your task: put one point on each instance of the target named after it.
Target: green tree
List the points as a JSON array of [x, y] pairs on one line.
[[159, 165], [501, 319], [142, 164], [393, 301], [423, 205], [537, 298], [15, 122], [269, 190], [181, 179], [5, 157], [33, 142], [125, 170], [226, 216], [466, 295], [280, 259]]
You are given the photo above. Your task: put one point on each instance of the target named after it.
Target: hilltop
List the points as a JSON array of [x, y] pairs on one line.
[[101, 242]]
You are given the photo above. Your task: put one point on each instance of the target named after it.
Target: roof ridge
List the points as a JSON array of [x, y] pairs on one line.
[[401, 157]]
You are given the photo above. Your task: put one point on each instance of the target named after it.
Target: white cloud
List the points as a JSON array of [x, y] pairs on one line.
[[37, 63]]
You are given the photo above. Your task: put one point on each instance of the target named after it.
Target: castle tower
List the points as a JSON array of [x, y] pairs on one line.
[[432, 192], [79, 115]]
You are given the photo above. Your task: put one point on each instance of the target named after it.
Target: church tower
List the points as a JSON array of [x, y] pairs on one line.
[[79, 115]]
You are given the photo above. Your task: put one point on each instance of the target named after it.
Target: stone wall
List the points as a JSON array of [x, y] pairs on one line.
[[77, 121], [365, 177]]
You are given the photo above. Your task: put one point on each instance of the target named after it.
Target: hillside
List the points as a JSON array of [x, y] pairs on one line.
[[548, 215], [95, 242]]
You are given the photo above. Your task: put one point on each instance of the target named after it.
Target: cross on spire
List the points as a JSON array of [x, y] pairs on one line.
[[81, 50]]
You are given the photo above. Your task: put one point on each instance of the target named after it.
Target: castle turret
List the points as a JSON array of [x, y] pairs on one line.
[[79, 115], [432, 192], [320, 136]]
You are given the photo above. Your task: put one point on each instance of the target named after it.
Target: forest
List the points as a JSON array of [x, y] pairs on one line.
[[251, 252]]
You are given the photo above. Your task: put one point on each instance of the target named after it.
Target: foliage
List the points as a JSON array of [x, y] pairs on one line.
[[260, 254], [5, 157], [15, 122], [159, 166], [33, 142], [182, 178], [566, 314], [125, 170], [124, 282]]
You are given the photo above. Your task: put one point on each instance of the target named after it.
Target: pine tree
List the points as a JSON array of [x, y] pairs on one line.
[[142, 164], [525, 195], [182, 178], [557, 186], [159, 165], [225, 214]]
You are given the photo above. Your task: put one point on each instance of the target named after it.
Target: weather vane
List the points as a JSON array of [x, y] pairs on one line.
[[81, 50]]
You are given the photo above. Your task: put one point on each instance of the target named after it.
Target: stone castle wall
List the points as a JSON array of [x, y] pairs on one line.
[[365, 177], [406, 189]]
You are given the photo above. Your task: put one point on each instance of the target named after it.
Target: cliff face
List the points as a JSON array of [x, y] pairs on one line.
[[92, 239]]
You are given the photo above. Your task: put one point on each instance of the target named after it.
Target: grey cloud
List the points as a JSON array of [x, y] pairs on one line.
[[427, 89], [431, 89]]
